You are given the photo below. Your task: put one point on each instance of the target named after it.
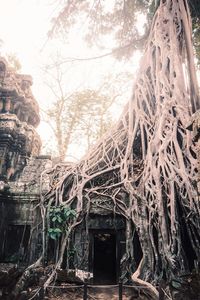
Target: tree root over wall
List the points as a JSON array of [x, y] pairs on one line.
[[148, 157]]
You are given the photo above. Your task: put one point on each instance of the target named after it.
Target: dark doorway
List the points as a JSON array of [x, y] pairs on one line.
[[16, 243], [104, 257]]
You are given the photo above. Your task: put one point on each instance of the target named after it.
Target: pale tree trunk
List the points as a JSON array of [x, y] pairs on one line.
[[147, 154]]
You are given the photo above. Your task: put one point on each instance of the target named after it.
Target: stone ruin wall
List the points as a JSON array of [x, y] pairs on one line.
[[21, 167]]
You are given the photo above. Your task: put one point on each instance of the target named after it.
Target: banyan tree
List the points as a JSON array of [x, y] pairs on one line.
[[144, 169]]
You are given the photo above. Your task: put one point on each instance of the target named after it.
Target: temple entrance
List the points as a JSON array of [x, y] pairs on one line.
[[16, 243], [104, 257]]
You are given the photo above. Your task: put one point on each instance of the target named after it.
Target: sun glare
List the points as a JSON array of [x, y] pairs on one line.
[[23, 30]]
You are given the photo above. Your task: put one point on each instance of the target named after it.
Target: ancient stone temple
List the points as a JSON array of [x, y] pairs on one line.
[[100, 249], [129, 209], [20, 167]]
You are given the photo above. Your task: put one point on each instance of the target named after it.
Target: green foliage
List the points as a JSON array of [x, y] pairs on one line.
[[60, 218], [71, 252], [176, 284]]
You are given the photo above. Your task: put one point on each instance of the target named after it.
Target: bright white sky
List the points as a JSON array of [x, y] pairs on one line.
[[23, 28]]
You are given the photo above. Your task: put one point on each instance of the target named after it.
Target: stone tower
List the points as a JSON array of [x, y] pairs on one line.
[[19, 115], [21, 167]]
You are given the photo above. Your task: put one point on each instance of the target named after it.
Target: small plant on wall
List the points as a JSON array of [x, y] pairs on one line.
[[60, 218]]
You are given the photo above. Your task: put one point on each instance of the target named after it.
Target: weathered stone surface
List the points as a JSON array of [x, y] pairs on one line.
[[16, 96], [19, 115], [21, 133], [186, 288], [21, 171], [30, 179], [20, 168], [9, 274], [76, 275]]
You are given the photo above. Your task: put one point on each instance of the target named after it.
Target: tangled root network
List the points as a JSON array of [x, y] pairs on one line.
[[147, 157]]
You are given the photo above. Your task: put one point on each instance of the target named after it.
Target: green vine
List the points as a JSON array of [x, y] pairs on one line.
[[60, 218]]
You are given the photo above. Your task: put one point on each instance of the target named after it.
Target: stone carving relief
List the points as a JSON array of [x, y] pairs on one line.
[[19, 114]]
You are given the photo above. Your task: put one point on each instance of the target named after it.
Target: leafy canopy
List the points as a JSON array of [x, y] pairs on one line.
[[116, 19], [60, 218]]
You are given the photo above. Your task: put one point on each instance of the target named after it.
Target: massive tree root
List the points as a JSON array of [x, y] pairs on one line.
[[147, 157]]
